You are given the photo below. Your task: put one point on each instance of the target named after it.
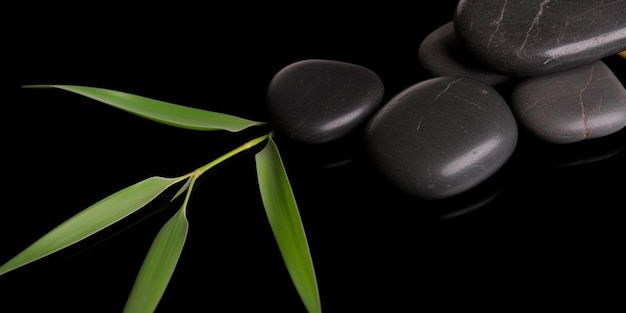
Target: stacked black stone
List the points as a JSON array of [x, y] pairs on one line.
[[443, 136], [537, 37]]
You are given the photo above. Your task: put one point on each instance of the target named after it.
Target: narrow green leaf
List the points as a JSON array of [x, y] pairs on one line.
[[92, 219], [284, 218], [160, 111], [159, 265]]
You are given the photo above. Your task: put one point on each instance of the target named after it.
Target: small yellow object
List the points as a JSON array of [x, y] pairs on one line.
[[622, 54]]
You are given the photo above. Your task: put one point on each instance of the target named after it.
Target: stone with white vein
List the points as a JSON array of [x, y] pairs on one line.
[[535, 37]]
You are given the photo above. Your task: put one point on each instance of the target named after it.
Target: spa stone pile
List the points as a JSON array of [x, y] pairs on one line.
[[445, 135]]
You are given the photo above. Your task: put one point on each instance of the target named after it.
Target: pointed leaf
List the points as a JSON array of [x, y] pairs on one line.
[[160, 111], [92, 219], [284, 218], [159, 265]]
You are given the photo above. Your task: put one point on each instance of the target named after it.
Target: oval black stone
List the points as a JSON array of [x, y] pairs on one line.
[[535, 37], [571, 105], [442, 136], [317, 101]]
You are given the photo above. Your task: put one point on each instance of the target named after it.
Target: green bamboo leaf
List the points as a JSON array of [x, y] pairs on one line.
[[159, 265], [160, 111], [92, 219], [284, 218]]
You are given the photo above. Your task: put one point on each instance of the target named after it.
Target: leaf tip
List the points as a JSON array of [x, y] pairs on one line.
[[37, 86]]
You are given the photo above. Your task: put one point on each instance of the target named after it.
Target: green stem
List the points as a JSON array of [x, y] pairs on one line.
[[193, 176], [188, 194], [248, 145]]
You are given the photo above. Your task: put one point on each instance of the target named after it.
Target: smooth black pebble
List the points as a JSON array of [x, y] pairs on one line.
[[572, 105], [317, 101], [441, 55], [536, 37], [441, 136]]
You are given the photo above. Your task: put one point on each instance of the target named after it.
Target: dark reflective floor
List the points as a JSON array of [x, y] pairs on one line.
[[547, 229]]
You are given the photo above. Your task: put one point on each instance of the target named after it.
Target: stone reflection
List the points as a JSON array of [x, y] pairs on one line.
[[466, 202], [585, 152]]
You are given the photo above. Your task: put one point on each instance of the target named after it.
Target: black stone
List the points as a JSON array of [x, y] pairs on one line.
[[534, 37], [317, 101], [441, 55], [442, 136], [572, 105]]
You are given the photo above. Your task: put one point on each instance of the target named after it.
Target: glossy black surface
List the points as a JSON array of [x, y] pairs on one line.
[[546, 231], [317, 101], [527, 38]]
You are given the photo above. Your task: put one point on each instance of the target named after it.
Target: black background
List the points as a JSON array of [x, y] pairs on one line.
[[547, 229]]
